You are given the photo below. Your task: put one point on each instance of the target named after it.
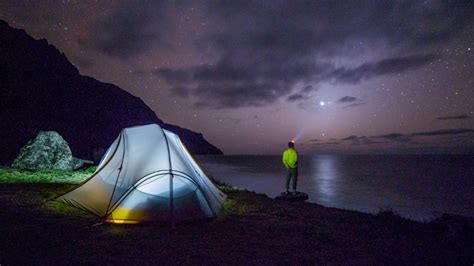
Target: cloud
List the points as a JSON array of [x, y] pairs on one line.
[[233, 86], [353, 105], [347, 99], [297, 97], [268, 48], [394, 137], [180, 92], [131, 28], [220, 96], [354, 102], [352, 138], [309, 88], [455, 131], [455, 117], [383, 67], [398, 137], [390, 136], [438, 141], [326, 143], [301, 26], [360, 140], [230, 85], [367, 141]]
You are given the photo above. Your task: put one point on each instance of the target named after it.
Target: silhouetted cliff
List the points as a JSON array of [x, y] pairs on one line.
[[41, 90]]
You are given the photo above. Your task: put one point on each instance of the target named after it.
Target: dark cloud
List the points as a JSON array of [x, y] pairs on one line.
[[389, 136], [180, 92], [347, 99], [326, 143], [303, 94], [221, 96], [455, 131], [230, 85], [131, 28], [398, 137], [273, 46], [367, 141], [382, 67], [353, 105], [297, 97], [394, 137], [361, 140], [352, 138], [323, 26], [309, 88], [455, 117], [354, 102]]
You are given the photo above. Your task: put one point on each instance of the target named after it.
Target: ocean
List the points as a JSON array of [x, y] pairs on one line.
[[418, 187]]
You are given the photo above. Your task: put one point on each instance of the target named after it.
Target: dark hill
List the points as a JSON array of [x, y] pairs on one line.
[[41, 90]]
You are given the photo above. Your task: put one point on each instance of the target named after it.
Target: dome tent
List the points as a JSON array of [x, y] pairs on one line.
[[147, 175]]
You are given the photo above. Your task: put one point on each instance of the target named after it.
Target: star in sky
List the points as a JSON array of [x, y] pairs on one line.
[[342, 69]]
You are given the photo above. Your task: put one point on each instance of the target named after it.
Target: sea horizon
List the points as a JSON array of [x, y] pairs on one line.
[[416, 186]]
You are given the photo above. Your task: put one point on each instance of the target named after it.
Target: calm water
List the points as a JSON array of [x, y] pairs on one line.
[[417, 187]]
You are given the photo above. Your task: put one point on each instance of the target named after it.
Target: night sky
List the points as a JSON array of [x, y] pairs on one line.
[[339, 76]]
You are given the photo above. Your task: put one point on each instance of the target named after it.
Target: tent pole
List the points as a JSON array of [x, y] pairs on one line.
[[107, 213], [171, 200], [171, 205]]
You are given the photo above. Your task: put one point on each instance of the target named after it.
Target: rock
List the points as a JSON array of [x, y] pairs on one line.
[[297, 196], [47, 151]]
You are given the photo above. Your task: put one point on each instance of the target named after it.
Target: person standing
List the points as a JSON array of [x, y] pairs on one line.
[[290, 161]]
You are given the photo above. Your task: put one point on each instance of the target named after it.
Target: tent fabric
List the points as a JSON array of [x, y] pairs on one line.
[[147, 175]]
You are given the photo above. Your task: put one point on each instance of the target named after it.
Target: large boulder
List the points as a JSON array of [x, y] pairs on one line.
[[47, 151]]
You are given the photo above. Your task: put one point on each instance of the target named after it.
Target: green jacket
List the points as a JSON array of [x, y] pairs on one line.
[[290, 158]]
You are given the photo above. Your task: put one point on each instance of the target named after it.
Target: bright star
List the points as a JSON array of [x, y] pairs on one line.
[[322, 103]]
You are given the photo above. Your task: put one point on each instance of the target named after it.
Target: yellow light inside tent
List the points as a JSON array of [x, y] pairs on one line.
[[122, 216], [117, 221]]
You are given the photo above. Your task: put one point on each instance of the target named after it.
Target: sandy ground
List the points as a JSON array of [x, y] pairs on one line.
[[251, 229]]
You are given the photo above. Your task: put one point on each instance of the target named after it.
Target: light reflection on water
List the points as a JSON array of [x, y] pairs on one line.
[[417, 187], [326, 176]]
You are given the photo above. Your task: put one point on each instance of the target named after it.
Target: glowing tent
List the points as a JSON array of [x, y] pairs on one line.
[[147, 175]]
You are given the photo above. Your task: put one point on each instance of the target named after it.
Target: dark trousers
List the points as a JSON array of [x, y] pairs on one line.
[[292, 173]]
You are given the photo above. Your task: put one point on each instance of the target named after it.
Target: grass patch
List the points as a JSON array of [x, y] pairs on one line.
[[90, 169], [57, 207], [12, 175], [232, 207]]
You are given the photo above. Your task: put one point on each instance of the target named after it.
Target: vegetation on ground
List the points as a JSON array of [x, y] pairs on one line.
[[14, 175], [250, 229]]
